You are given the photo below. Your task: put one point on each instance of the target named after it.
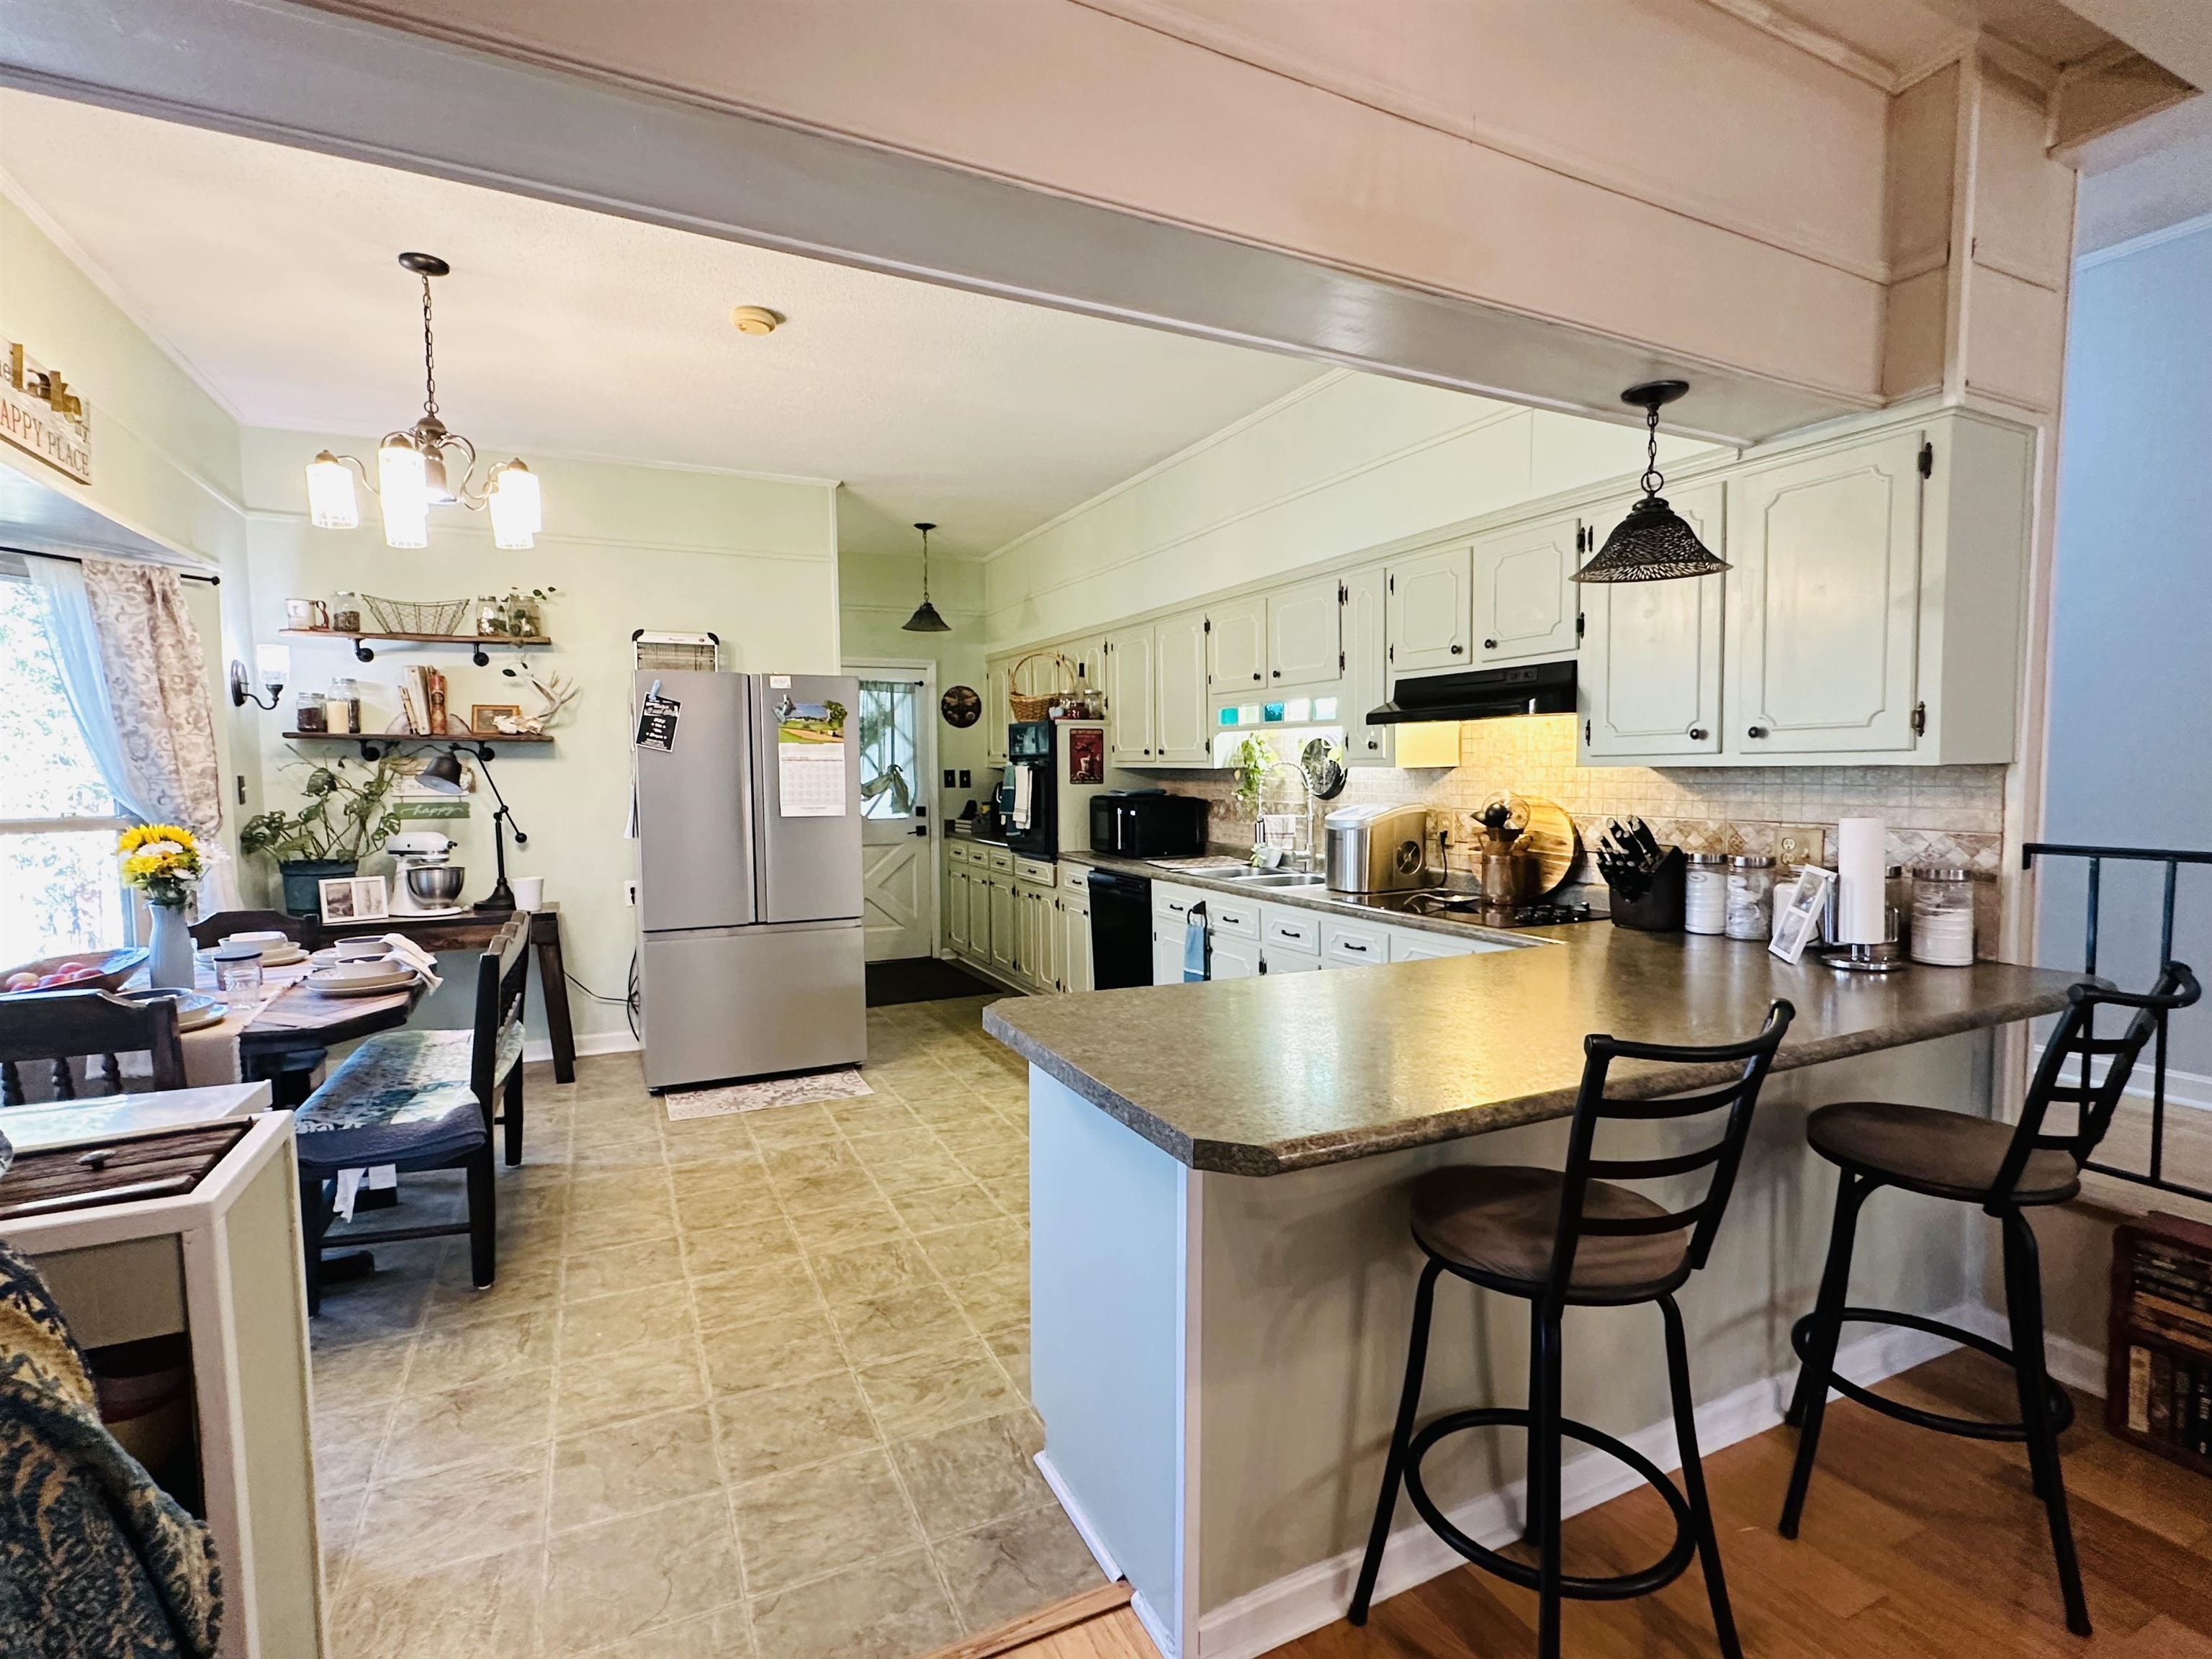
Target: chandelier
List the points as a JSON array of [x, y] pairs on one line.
[[1654, 542], [425, 465]]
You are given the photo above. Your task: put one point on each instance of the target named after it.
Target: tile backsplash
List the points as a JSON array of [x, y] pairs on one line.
[[1946, 815]]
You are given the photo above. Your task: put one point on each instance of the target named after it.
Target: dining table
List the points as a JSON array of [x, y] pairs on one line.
[[280, 1035]]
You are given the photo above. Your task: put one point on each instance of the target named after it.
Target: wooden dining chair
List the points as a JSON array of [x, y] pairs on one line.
[[61, 1025], [213, 930]]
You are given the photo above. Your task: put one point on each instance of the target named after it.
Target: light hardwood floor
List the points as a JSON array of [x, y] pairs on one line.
[[1915, 1546]]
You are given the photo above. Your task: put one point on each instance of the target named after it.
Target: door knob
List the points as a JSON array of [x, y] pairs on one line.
[[1756, 732], [1697, 735]]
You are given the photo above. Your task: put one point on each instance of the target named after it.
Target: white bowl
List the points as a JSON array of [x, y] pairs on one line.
[[361, 949], [358, 973]]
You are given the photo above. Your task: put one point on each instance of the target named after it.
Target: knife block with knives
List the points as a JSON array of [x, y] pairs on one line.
[[1649, 882]]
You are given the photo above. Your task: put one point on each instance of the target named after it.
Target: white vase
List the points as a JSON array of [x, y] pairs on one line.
[[171, 966]]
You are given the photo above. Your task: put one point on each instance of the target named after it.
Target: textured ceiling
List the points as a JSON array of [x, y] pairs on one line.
[[270, 271]]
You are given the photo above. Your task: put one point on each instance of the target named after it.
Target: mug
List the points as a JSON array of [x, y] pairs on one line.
[[529, 892]]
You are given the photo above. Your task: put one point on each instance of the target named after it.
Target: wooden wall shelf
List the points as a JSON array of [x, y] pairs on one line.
[[480, 644], [372, 744]]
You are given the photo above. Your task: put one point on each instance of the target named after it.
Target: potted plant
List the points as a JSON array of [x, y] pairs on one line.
[[519, 613], [162, 862], [347, 816]]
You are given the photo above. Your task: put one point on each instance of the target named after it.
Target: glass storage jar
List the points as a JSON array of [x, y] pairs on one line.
[[1750, 896], [307, 714], [1943, 916], [1704, 894]]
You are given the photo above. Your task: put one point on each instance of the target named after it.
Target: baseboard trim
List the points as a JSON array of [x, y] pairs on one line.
[[592, 1042], [1305, 1600], [1155, 1627], [2075, 1364]]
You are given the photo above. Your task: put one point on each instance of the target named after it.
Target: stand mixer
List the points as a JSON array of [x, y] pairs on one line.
[[428, 885]]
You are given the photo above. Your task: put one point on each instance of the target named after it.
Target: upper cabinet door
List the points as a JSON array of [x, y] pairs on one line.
[[1180, 703], [1366, 680], [1236, 645], [1305, 642], [1651, 657], [1088, 654], [1825, 607], [1129, 696], [1428, 611], [995, 714], [1524, 592]]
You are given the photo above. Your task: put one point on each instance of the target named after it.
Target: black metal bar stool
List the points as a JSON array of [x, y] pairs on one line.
[[2008, 1170], [1573, 1238]]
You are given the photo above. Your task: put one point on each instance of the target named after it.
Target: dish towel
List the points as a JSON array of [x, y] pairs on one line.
[[1023, 776], [1194, 943]]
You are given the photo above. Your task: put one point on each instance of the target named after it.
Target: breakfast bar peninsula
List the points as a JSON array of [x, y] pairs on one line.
[[1222, 1273]]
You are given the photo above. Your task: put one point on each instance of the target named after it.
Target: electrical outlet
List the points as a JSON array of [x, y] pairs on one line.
[[1800, 843], [949, 775], [629, 894]]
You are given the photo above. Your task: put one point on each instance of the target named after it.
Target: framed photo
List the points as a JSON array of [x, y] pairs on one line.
[[355, 899], [483, 716]]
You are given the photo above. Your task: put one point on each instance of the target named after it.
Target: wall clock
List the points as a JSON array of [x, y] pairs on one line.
[[961, 706]]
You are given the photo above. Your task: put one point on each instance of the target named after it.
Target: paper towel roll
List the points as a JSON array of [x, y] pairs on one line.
[[1862, 882]]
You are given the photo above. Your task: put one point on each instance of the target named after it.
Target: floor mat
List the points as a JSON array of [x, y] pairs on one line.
[[690, 1103], [924, 978]]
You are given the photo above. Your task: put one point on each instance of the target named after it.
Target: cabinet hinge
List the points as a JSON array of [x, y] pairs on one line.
[[1340, 594], [1927, 459], [1209, 625], [1391, 655], [1919, 719], [1340, 662], [1586, 733], [1582, 622], [1391, 582]]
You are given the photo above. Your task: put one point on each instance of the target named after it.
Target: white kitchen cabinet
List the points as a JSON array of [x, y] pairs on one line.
[[1006, 926], [1825, 601], [1042, 967], [1524, 590], [1290, 941], [1077, 972], [1171, 920], [979, 914], [1428, 609], [1129, 696], [1651, 657], [1305, 636], [1233, 958], [1089, 656], [1180, 706], [956, 900], [1412, 944], [995, 711], [1346, 944], [1366, 680], [1237, 645]]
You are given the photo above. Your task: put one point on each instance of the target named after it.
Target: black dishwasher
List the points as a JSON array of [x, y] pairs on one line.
[[1120, 930]]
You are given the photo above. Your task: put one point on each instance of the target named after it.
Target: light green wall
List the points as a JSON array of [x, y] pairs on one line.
[[1347, 462], [630, 547], [878, 591], [165, 454]]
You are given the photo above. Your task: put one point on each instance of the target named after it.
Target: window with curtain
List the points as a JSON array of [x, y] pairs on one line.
[[59, 888]]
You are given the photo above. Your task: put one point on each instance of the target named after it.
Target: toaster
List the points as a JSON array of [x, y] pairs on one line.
[[1377, 849]]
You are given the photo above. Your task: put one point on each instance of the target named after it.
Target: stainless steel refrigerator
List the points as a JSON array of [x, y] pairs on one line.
[[749, 863]]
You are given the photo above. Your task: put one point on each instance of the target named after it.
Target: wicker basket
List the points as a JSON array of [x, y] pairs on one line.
[[1026, 706], [416, 615]]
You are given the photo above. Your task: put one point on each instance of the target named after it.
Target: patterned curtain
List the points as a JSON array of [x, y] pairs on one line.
[[157, 685]]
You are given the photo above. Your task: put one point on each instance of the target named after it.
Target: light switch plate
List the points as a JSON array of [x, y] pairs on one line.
[[1800, 843]]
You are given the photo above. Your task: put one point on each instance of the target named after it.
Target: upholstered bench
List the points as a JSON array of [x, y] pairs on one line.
[[422, 1100]]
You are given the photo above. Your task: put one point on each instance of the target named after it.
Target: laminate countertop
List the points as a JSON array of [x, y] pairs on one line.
[[1257, 1077]]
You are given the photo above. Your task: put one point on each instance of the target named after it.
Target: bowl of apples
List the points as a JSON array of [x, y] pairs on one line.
[[79, 970]]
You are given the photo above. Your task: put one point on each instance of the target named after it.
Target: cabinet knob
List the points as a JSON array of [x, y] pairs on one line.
[[1255, 673], [1697, 735], [1276, 672], [1371, 744], [1459, 650], [1755, 731], [1487, 645]]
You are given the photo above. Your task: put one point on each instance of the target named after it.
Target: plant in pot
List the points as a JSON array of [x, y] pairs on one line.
[[162, 862], [349, 815], [1251, 761]]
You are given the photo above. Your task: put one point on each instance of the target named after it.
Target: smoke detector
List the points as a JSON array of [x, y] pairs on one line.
[[753, 319]]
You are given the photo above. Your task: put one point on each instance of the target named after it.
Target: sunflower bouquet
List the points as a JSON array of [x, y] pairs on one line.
[[162, 860]]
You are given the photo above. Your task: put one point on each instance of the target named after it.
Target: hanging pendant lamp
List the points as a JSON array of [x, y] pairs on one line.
[[925, 619], [1654, 542]]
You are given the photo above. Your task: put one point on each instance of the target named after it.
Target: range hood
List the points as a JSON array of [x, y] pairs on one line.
[[1481, 694]]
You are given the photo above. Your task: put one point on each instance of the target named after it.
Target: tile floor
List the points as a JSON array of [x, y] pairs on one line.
[[747, 1385]]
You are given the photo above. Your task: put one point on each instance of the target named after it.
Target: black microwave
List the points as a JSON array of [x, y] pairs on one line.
[[1147, 824]]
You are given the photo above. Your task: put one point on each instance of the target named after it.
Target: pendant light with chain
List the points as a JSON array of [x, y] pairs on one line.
[[1654, 542], [925, 619], [426, 465]]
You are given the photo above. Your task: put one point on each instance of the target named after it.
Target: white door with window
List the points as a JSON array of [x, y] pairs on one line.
[[60, 889], [898, 844]]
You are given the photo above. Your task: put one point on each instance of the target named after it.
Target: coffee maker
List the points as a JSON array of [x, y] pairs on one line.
[[428, 885]]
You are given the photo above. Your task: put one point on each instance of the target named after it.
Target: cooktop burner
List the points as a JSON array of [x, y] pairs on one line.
[[1468, 906]]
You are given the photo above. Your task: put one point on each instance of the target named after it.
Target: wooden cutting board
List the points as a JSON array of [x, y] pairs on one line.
[[1553, 837], [162, 1165]]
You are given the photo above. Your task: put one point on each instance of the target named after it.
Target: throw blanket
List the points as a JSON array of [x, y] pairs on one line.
[[96, 1561]]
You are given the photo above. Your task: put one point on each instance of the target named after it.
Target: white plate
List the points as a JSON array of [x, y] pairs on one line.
[[333, 982], [287, 957], [195, 1009]]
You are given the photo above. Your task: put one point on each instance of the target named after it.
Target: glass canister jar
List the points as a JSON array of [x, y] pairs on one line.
[[1704, 894], [308, 713], [1750, 896], [1943, 916]]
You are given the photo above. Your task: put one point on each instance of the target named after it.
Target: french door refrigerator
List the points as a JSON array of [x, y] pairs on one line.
[[751, 962]]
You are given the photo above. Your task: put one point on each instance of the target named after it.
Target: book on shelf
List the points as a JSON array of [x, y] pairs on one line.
[[2162, 1292]]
